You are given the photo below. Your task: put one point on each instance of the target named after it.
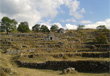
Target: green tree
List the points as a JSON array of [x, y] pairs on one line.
[[101, 39], [23, 27], [80, 27], [102, 28], [44, 29], [36, 28], [54, 28], [8, 24]]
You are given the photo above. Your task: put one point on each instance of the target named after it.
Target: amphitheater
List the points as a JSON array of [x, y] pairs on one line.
[[55, 51]]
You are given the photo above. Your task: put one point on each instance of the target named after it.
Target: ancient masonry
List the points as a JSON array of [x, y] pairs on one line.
[[80, 66]]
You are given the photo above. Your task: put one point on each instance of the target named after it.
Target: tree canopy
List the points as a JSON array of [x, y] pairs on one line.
[[102, 28], [36, 28], [54, 28], [8, 24], [44, 29], [80, 27], [23, 27]]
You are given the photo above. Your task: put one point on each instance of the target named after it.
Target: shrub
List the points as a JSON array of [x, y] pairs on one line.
[[101, 39]]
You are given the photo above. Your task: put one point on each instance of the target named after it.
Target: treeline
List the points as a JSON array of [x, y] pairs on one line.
[[9, 25]]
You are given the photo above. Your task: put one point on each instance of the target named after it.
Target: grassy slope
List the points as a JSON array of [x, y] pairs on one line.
[[6, 61]]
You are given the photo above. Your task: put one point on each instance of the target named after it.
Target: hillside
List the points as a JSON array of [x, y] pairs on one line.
[[49, 53]]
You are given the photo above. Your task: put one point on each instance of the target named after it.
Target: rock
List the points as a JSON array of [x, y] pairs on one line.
[[61, 30], [69, 70], [11, 69], [21, 55]]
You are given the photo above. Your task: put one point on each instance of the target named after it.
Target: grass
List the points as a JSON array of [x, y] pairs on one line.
[[65, 58], [44, 56], [39, 72], [7, 61]]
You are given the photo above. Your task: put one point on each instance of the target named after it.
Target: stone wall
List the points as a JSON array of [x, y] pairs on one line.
[[93, 55], [96, 55], [81, 66], [18, 51]]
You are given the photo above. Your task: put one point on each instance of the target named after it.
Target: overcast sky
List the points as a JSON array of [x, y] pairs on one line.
[[65, 13]]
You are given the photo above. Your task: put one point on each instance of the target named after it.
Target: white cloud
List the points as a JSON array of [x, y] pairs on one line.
[[21, 10], [48, 25], [61, 20], [85, 22], [69, 26], [59, 25], [91, 25], [34, 11], [94, 25], [77, 15], [83, 10], [73, 5], [69, 20], [73, 20], [30, 10]]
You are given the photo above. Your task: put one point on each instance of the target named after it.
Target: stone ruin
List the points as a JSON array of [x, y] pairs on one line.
[[61, 30], [51, 37], [80, 66]]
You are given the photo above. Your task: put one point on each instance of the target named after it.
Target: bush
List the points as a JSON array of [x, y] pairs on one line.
[[101, 39]]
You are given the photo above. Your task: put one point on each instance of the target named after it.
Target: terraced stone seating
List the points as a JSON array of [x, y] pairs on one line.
[[80, 66], [103, 47], [18, 51]]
